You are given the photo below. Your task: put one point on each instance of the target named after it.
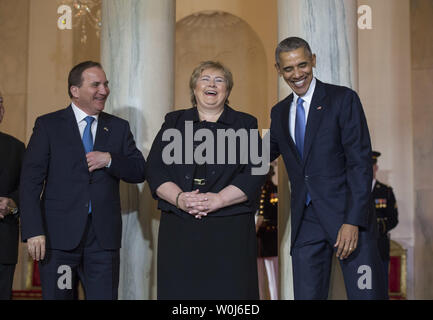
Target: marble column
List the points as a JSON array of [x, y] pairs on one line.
[[421, 17], [330, 27], [137, 52]]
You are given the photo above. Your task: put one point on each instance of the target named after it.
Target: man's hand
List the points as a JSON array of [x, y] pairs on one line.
[[5, 205], [97, 160], [347, 240], [36, 247]]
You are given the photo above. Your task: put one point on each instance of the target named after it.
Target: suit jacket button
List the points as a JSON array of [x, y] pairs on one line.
[[187, 177], [306, 178]]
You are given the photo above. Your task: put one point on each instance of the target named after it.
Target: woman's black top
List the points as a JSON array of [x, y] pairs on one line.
[[209, 164]]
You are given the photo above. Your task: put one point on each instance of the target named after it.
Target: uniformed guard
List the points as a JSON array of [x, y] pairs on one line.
[[386, 213], [267, 235]]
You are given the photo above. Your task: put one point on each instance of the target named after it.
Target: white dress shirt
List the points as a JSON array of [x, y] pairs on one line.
[[79, 116], [307, 102]]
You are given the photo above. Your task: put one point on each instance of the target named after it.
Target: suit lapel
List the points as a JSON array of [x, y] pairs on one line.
[[73, 133], [285, 123], [102, 132], [315, 115]]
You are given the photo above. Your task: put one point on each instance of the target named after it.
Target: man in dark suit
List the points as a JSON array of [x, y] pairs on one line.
[[321, 132], [70, 212], [12, 151], [386, 213]]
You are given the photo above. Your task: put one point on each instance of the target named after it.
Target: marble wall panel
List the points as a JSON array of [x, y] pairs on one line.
[[137, 48], [421, 13]]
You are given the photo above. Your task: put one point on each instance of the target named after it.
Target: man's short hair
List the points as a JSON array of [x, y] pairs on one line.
[[75, 77], [290, 44]]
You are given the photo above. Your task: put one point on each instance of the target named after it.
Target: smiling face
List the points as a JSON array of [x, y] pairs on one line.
[[93, 92], [296, 67], [211, 89]]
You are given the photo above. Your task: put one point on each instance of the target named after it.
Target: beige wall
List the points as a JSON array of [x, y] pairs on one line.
[[261, 16], [385, 91], [421, 14], [14, 26], [384, 77], [50, 59], [89, 49], [52, 54]]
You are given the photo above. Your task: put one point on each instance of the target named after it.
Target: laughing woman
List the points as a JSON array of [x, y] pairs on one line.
[[207, 241]]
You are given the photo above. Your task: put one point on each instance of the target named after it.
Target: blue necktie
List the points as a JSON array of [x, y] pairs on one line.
[[87, 135], [300, 132], [88, 141], [300, 126]]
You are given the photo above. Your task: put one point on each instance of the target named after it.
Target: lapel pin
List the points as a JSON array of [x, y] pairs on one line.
[[319, 108], [106, 129]]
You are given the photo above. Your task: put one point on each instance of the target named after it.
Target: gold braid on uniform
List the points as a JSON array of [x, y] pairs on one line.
[[262, 200]]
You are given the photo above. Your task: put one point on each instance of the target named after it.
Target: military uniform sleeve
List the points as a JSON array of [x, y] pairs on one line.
[[391, 211]]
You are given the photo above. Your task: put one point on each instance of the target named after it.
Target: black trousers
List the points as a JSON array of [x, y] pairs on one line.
[[6, 279], [312, 259], [96, 268]]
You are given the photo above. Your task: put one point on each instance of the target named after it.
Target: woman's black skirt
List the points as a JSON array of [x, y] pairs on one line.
[[211, 258]]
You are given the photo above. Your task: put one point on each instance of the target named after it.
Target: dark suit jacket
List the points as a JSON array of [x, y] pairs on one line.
[[55, 165], [336, 167], [218, 176], [12, 152]]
